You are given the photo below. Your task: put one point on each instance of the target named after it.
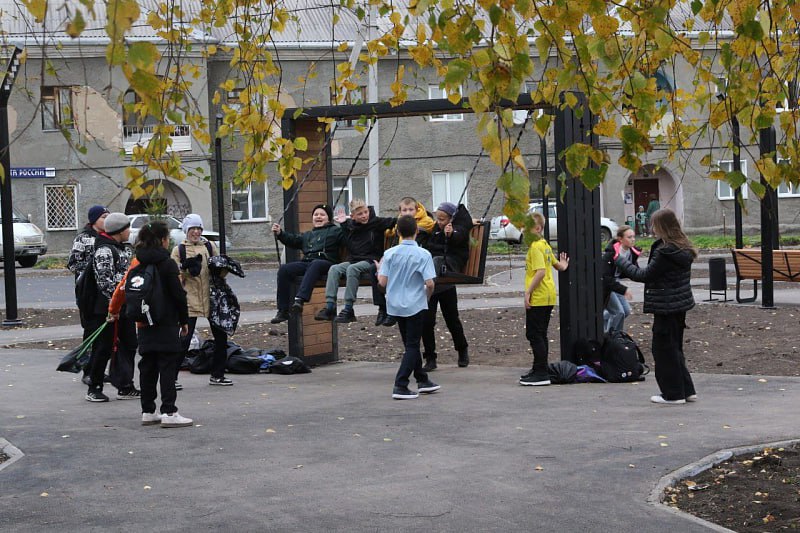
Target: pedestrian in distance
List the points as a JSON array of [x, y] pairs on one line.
[[641, 221], [111, 259], [617, 297], [407, 273], [540, 297], [192, 257], [321, 248], [652, 206], [159, 342], [668, 296], [425, 223], [449, 246], [363, 236]]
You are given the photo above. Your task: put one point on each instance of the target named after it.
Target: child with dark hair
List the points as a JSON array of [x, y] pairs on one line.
[[159, 344], [667, 295], [320, 248]]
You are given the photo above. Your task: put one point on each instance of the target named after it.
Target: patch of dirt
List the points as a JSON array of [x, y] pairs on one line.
[[721, 339], [747, 493]]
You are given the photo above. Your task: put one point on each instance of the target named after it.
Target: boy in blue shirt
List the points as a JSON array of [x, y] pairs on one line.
[[406, 272]]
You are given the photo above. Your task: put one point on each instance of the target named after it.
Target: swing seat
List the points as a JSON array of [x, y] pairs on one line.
[[472, 273]]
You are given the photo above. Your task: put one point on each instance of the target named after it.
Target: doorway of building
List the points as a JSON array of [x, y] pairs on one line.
[[642, 191]]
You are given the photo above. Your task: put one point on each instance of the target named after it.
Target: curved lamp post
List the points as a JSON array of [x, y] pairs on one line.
[[6, 205]]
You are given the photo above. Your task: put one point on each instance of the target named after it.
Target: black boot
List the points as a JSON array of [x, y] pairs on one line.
[[430, 364], [463, 358], [281, 316], [381, 316]]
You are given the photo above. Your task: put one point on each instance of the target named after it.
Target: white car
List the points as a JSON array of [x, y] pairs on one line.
[[503, 230], [175, 232], [29, 241]]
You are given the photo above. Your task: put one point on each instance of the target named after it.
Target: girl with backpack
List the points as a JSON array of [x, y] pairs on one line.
[[667, 295], [616, 295], [159, 342], [192, 256]]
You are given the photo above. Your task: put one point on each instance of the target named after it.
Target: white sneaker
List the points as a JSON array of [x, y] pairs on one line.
[[691, 398], [151, 419], [175, 420], [660, 399]]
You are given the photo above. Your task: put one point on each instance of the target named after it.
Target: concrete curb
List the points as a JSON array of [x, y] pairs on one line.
[[692, 469], [14, 454]]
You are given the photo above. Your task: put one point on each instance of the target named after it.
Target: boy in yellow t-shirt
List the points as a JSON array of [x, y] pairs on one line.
[[540, 297]]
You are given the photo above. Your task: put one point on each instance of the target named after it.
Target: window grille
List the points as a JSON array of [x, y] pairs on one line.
[[61, 207]]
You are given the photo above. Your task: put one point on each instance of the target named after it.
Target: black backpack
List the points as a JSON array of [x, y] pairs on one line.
[[621, 359], [145, 300]]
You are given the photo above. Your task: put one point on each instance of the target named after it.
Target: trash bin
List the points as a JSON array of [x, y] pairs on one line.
[[717, 279]]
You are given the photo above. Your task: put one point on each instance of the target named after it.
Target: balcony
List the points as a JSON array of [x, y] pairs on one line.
[[141, 135]]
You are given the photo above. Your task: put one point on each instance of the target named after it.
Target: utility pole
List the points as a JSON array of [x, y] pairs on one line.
[[6, 205]]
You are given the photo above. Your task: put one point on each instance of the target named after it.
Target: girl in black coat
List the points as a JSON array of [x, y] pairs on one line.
[[160, 344], [667, 295], [616, 295]]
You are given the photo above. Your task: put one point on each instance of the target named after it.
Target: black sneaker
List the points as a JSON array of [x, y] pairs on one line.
[[463, 358], [325, 314], [403, 393], [345, 315], [178, 386], [129, 394], [535, 379], [86, 379], [428, 387], [389, 321], [297, 307], [381, 317], [223, 381], [430, 365], [96, 396], [281, 316]]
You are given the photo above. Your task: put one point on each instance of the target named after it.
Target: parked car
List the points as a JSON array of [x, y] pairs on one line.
[[175, 232], [503, 230], [29, 241]]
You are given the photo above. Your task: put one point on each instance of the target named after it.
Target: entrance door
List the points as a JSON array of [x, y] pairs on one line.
[[642, 189]]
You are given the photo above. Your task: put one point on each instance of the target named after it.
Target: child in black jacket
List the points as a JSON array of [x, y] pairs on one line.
[[667, 295]]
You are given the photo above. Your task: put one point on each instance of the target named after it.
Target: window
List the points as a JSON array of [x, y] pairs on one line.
[[346, 189], [787, 190], [232, 99], [724, 190], [353, 97], [61, 207], [250, 203], [790, 102], [448, 186], [435, 93], [57, 108]]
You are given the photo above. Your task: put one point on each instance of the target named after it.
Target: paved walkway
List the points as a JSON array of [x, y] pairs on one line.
[[330, 451]]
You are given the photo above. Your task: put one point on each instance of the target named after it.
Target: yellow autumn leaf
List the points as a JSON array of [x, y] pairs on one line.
[[605, 25], [605, 128]]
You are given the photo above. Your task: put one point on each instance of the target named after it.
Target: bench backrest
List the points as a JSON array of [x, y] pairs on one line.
[[785, 264]]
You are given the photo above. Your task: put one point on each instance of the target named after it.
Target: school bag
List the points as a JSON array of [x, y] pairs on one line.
[[145, 300], [621, 359], [562, 372]]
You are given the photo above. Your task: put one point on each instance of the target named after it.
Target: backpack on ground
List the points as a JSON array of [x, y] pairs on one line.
[[562, 372], [145, 300], [621, 359], [289, 365]]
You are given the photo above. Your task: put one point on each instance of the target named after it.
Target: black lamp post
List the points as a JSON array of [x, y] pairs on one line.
[[6, 206], [220, 198]]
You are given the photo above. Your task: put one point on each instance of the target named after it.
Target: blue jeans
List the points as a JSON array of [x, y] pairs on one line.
[[311, 271], [616, 311], [411, 333]]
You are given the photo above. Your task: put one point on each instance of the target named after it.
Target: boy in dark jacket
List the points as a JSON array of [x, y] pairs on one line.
[[110, 262], [83, 246], [449, 246], [320, 248], [363, 234]]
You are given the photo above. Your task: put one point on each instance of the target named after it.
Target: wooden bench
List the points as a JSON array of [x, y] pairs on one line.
[[785, 267]]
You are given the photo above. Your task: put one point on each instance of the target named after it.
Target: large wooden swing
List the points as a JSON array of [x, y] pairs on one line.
[[317, 341]]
